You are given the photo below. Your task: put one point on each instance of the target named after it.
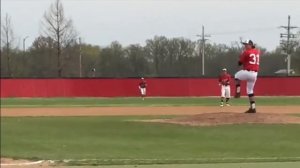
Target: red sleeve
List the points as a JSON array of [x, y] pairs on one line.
[[242, 57], [229, 77]]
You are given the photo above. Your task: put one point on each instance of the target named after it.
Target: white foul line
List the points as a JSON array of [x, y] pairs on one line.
[[22, 164]]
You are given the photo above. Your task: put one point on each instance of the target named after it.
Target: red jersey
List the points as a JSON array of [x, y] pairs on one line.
[[250, 60], [142, 84], [224, 79]]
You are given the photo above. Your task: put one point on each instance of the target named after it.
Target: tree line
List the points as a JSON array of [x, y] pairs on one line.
[[58, 52]]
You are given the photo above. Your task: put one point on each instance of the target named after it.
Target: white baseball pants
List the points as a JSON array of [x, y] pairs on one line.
[[143, 91], [250, 77], [225, 91]]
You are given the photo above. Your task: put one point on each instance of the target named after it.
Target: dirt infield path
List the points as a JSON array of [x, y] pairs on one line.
[[117, 111]]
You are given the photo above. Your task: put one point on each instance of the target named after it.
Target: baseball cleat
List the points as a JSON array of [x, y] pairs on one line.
[[227, 104], [221, 105], [250, 110]]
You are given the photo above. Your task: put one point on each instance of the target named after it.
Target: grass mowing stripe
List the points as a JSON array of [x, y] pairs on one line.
[[178, 101], [111, 102]]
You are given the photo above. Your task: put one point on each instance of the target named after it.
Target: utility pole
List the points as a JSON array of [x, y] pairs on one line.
[[0, 32], [24, 46], [203, 39], [288, 44], [80, 73]]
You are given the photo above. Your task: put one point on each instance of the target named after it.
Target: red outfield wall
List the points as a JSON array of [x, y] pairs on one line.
[[265, 86]]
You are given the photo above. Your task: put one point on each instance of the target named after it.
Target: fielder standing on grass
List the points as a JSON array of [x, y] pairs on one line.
[[142, 87], [224, 82], [249, 59]]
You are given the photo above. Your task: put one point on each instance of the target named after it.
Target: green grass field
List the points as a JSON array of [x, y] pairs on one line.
[[123, 141], [182, 101], [119, 140], [219, 165]]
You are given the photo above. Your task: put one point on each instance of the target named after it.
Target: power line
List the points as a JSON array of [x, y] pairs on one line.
[[245, 31]]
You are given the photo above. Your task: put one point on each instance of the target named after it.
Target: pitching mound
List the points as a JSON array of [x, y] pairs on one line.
[[222, 118]]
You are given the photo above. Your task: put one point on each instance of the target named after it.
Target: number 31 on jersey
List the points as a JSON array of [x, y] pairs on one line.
[[254, 59]]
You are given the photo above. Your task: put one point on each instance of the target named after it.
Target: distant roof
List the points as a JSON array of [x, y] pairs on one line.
[[284, 71]]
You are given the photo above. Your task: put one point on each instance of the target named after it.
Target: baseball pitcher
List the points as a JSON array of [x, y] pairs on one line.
[[249, 59]]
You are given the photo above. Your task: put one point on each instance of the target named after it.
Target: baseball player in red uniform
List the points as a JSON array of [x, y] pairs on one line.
[[249, 59], [142, 87], [224, 82]]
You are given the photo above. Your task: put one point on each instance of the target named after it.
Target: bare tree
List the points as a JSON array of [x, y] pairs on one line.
[[59, 28], [7, 41]]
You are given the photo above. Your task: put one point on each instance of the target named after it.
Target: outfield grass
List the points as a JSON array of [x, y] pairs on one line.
[[218, 165], [120, 140], [178, 101]]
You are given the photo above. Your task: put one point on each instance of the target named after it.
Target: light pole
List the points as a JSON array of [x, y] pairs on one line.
[[24, 39]]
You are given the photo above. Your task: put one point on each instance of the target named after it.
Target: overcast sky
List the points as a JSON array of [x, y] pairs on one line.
[[100, 22]]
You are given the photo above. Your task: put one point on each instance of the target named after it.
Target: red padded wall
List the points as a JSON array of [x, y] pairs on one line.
[[265, 86]]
